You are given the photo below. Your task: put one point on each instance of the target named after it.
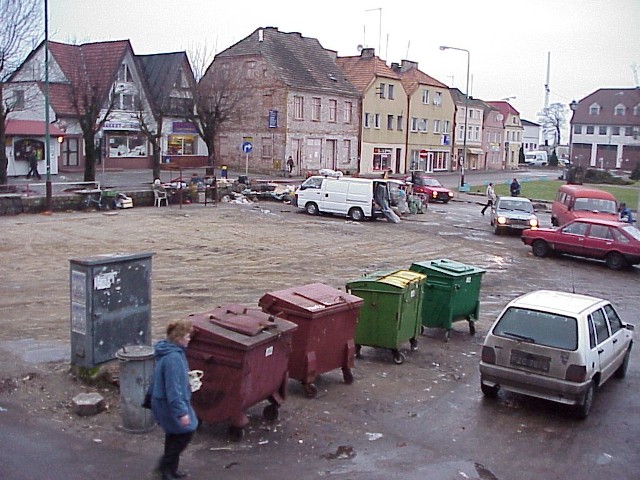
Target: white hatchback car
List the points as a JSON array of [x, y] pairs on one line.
[[557, 346]]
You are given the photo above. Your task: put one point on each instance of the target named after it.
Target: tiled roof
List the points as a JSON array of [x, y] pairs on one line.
[[362, 70], [90, 68], [161, 71], [413, 78], [459, 99], [300, 62], [30, 127], [505, 108], [608, 99]]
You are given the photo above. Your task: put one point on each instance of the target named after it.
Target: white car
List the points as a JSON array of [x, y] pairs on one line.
[[557, 346]]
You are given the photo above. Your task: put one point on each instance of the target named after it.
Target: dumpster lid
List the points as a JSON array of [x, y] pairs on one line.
[[402, 278], [246, 321], [314, 298], [449, 266]]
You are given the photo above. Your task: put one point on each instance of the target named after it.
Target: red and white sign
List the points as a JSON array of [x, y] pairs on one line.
[[423, 154]]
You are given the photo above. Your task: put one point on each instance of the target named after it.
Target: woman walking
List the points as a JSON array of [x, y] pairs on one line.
[[171, 397]]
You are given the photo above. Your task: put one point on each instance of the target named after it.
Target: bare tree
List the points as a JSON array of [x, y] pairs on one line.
[[152, 129], [553, 119], [20, 31], [218, 98]]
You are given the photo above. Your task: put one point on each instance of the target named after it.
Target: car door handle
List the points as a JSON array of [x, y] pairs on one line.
[[600, 351], [615, 341]]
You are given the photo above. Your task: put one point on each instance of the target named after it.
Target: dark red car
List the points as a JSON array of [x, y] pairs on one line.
[[431, 187], [617, 243]]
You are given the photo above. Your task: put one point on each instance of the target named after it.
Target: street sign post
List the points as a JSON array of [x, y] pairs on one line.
[[247, 148]]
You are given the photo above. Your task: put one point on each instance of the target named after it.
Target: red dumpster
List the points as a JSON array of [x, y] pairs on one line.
[[244, 354], [326, 319]]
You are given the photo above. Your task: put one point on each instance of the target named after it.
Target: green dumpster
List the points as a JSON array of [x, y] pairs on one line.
[[390, 314], [451, 293]]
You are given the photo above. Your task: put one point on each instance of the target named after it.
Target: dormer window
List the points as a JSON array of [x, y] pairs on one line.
[[594, 109], [619, 110]]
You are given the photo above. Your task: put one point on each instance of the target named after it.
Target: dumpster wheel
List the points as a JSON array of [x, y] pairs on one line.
[[310, 390], [358, 349], [472, 327], [235, 433], [398, 357], [270, 412], [414, 344], [347, 375], [447, 335]]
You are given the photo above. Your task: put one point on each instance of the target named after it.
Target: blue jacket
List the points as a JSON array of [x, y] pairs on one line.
[[171, 393]]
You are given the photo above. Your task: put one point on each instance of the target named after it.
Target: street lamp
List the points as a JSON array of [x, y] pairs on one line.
[[466, 112]]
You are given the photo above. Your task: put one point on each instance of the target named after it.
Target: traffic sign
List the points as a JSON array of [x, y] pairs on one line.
[[247, 147], [423, 154]]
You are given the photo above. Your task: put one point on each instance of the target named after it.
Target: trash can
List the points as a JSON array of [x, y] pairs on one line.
[[451, 293], [326, 319], [390, 312], [136, 374], [244, 355]]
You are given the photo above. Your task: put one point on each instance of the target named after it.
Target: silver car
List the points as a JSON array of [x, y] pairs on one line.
[[557, 346], [513, 213]]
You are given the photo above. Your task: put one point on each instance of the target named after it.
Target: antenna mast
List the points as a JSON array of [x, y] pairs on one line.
[[546, 85]]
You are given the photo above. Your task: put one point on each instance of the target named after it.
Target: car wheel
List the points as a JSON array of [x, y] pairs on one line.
[[487, 391], [311, 208], [497, 230], [356, 214], [583, 410], [615, 261], [621, 372], [540, 248]]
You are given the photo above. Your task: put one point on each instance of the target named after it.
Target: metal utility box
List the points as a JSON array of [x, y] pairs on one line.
[[244, 355], [324, 340], [110, 305], [451, 293], [391, 310]]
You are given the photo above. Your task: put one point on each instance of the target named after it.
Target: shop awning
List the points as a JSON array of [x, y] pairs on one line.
[[31, 128], [475, 151]]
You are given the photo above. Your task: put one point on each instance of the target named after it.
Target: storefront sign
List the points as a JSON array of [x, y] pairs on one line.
[[446, 139], [183, 127], [133, 126]]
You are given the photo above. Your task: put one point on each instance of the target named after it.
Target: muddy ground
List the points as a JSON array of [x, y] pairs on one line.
[[210, 256]]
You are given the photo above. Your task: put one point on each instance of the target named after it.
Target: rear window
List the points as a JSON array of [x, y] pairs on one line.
[[540, 328]]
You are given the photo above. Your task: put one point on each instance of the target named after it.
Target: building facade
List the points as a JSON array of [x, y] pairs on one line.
[[473, 110], [513, 132]]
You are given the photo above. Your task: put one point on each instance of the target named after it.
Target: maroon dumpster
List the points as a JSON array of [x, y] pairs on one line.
[[326, 319], [244, 354]]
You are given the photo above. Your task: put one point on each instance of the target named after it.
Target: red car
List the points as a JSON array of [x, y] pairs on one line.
[[430, 186], [617, 243]]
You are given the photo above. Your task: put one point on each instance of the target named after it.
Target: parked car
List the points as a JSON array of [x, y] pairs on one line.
[[556, 346], [429, 186], [615, 242], [536, 158], [513, 213], [576, 201]]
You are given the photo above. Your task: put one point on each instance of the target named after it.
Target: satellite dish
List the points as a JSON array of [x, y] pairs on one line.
[[360, 47]]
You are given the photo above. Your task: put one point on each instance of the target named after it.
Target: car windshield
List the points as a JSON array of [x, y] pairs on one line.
[[516, 206], [596, 205], [632, 231], [427, 182], [541, 328]]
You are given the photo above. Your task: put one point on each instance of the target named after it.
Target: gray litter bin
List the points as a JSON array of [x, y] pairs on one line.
[[136, 374]]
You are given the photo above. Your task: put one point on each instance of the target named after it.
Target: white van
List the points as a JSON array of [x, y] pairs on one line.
[[536, 158], [353, 197]]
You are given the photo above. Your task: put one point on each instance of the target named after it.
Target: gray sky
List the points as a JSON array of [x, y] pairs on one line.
[[593, 43]]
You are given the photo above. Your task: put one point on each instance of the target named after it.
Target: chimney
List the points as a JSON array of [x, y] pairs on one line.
[[408, 65], [368, 53], [261, 35]]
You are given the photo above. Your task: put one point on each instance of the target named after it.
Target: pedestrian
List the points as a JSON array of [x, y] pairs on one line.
[[33, 166], [514, 188], [290, 165], [171, 397], [625, 213], [491, 197]]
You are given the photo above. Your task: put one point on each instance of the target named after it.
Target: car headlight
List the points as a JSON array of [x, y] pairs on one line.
[[533, 222], [450, 194], [502, 220], [434, 194]]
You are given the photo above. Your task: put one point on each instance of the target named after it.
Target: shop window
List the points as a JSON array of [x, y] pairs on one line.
[[127, 145], [181, 145], [24, 149], [381, 158]]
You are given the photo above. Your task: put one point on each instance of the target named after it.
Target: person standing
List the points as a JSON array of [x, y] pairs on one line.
[[171, 397], [290, 165], [491, 197], [625, 213], [514, 188]]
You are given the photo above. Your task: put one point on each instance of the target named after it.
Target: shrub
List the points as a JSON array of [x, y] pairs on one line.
[[601, 176]]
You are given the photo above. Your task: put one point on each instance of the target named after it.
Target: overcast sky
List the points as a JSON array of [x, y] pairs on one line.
[[593, 43]]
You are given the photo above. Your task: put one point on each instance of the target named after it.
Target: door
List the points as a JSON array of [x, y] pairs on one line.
[[296, 153], [70, 157], [605, 343], [329, 160]]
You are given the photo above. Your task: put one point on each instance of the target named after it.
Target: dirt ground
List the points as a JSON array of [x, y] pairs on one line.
[[210, 256]]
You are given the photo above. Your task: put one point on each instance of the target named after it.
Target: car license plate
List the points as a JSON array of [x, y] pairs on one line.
[[530, 361]]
